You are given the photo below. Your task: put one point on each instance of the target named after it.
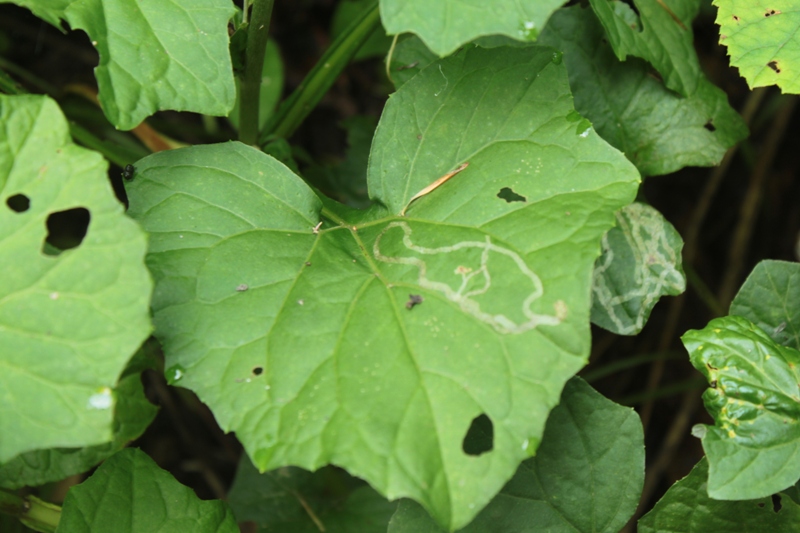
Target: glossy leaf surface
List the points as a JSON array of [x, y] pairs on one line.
[[770, 298], [640, 263], [130, 493], [754, 447], [73, 307], [447, 24], [687, 508], [292, 499], [586, 476], [372, 341], [661, 34], [762, 43], [658, 130], [180, 60]]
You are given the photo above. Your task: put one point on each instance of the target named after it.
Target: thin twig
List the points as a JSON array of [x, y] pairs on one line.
[[310, 511]]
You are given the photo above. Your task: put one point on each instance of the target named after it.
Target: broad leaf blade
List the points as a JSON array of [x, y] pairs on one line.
[[132, 414], [180, 62], [130, 493], [587, 475], [770, 298], [657, 129], [325, 357], [762, 43], [754, 447], [70, 319], [640, 263], [292, 499], [687, 508], [661, 34], [447, 24]]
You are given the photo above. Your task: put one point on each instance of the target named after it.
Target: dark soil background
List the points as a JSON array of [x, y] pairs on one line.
[[730, 218]]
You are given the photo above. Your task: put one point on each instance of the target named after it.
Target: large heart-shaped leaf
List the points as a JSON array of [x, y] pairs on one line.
[[74, 291], [762, 41], [373, 340], [754, 448]]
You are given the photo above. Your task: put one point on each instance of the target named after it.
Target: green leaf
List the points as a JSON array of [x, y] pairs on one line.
[[69, 318], [321, 355], [294, 500], [640, 263], [761, 41], [447, 24], [770, 298], [661, 34], [270, 90], [130, 493], [348, 11], [754, 447], [687, 508], [409, 58], [586, 476], [180, 60], [132, 414], [660, 131]]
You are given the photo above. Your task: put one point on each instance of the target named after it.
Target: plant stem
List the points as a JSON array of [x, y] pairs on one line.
[[294, 109], [628, 362], [117, 154], [257, 34], [31, 511]]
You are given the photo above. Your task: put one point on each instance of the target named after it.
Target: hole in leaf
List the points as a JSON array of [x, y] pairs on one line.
[[774, 66], [760, 504], [257, 371], [710, 126], [480, 436], [19, 203], [771, 12], [65, 230], [776, 503], [510, 196]]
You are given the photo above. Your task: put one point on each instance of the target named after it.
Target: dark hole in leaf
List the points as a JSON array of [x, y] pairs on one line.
[[761, 504], [510, 196], [633, 7], [65, 230], [770, 13], [776, 503], [480, 436], [257, 371], [774, 66], [710, 126], [19, 203]]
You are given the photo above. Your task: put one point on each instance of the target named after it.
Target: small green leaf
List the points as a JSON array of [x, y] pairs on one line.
[[761, 38], [294, 500], [130, 493], [587, 475], [754, 447], [661, 34], [348, 11], [770, 298], [409, 327], [270, 90], [73, 306], [640, 263], [132, 414], [657, 129], [445, 25], [180, 60], [687, 508]]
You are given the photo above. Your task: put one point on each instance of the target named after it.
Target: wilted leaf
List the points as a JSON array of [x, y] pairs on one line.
[[75, 291], [130, 493], [754, 447], [761, 38], [372, 341], [640, 263], [770, 298], [587, 475]]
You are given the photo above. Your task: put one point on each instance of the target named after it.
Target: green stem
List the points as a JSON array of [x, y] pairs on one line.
[[8, 85], [31, 511], [117, 154], [294, 110], [250, 87], [698, 382], [629, 362], [703, 291]]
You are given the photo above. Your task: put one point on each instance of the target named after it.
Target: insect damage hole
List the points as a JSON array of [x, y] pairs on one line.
[[19, 203], [258, 370], [65, 230], [507, 194], [480, 436], [774, 66], [709, 125], [776, 503]]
